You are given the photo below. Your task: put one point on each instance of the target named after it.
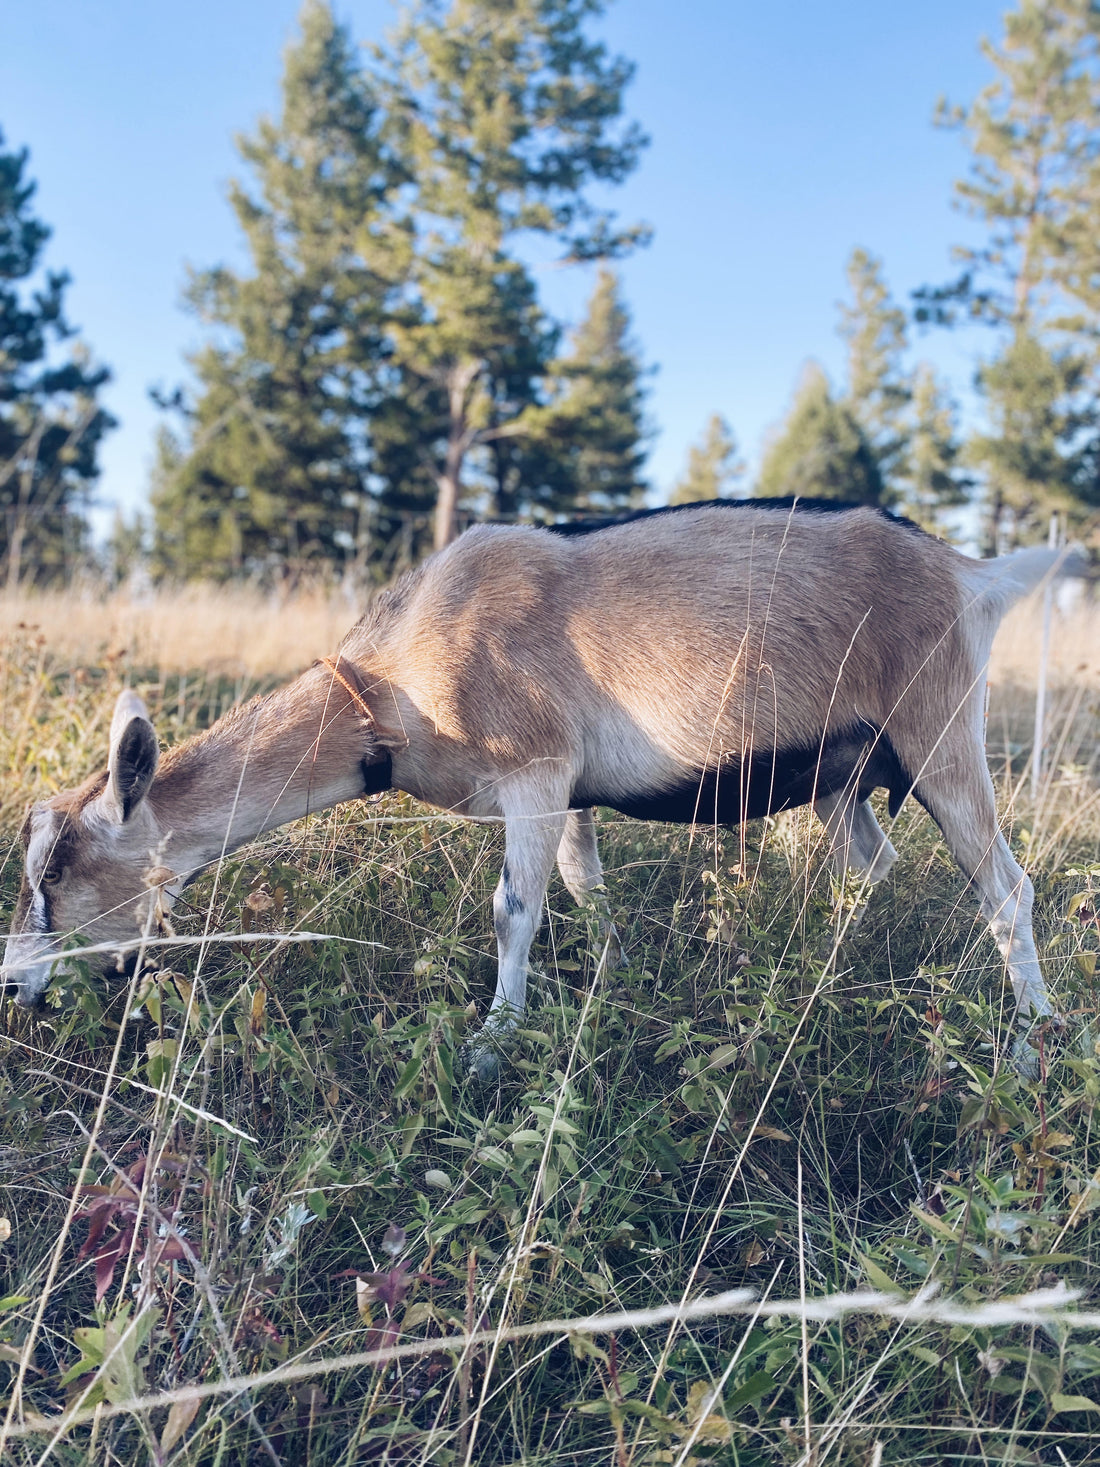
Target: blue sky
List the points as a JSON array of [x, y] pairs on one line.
[[782, 136]]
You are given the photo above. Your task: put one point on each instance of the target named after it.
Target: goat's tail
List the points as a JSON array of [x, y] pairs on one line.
[[996, 584]]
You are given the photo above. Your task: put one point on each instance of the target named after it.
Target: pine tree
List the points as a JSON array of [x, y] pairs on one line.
[[584, 450], [508, 111], [51, 422], [879, 390], [125, 555], [821, 451], [273, 472], [1035, 184], [713, 467], [929, 478], [1034, 136], [1034, 457]]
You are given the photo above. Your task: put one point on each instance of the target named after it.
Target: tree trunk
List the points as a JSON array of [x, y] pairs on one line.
[[459, 438], [991, 528], [15, 552], [445, 505]]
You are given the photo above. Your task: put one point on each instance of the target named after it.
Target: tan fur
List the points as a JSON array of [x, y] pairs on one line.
[[694, 636], [520, 674]]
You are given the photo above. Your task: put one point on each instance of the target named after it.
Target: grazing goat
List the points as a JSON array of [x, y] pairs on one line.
[[710, 664]]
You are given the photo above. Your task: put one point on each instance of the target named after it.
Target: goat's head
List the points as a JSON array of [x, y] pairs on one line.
[[88, 855]]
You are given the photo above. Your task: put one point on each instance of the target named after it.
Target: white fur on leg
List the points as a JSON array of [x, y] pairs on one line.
[[579, 864], [857, 841], [579, 857], [1010, 924], [532, 836], [961, 802]]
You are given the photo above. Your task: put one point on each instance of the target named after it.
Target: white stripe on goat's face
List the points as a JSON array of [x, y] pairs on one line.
[[86, 855], [28, 941]]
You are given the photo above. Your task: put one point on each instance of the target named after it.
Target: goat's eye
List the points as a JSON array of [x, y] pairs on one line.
[[51, 878]]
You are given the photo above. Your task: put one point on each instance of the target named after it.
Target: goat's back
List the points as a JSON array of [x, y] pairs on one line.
[[710, 630]]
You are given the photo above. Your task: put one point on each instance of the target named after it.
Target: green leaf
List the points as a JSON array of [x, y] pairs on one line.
[[1007, 1385], [913, 1261], [408, 1077], [411, 1128], [724, 1055], [1058, 1402], [878, 1278], [922, 1352], [757, 1385], [934, 1224]]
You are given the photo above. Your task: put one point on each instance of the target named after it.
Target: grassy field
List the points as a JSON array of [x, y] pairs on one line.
[[266, 1161]]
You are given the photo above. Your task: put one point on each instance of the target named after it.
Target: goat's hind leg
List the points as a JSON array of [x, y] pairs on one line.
[[579, 864], [958, 794]]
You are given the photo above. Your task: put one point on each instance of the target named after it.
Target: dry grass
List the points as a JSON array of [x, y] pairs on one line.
[[1074, 644], [229, 631], [238, 631]]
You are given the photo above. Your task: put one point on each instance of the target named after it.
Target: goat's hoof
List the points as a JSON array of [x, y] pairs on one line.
[[1025, 1058], [480, 1059], [617, 956]]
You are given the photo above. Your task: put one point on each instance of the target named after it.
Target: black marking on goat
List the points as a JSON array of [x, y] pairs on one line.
[[513, 904], [784, 503], [769, 782], [63, 851], [136, 755], [377, 775]]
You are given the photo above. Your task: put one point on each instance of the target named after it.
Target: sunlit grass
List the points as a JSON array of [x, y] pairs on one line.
[[750, 1102]]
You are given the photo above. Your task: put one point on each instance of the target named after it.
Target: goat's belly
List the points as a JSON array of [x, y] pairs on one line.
[[763, 784]]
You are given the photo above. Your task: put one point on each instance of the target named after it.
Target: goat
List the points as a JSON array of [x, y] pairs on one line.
[[710, 664]]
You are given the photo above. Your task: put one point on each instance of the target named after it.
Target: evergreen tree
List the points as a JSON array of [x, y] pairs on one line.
[[1035, 184], [879, 390], [274, 470], [1034, 457], [1034, 136], [821, 452], [125, 557], [50, 420], [929, 477], [584, 450], [713, 468], [507, 111]]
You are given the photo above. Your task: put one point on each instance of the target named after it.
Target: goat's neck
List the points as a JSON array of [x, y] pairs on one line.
[[298, 750]]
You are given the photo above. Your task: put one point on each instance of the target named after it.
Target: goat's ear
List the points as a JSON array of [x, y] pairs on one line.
[[132, 761]]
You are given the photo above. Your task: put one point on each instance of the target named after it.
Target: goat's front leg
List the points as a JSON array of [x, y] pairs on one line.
[[857, 844], [857, 841], [531, 840]]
